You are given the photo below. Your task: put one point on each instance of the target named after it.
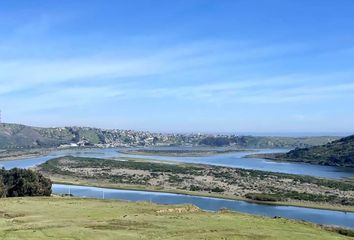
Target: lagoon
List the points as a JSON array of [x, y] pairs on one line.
[[232, 159]]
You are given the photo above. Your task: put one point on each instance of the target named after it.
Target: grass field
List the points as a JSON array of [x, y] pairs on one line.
[[72, 218]]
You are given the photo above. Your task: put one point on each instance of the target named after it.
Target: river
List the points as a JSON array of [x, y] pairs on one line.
[[233, 159], [319, 216]]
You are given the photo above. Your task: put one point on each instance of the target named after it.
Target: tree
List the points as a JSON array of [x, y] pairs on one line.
[[23, 182]]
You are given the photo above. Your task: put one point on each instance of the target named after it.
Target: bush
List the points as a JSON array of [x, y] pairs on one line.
[[218, 190], [346, 232], [22, 182], [195, 188], [263, 197]]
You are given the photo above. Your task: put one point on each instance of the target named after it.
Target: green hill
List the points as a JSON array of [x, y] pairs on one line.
[[21, 136], [13, 136], [336, 153], [80, 219]]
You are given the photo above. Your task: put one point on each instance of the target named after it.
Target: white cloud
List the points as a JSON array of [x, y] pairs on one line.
[[56, 76], [252, 91], [21, 73], [282, 89]]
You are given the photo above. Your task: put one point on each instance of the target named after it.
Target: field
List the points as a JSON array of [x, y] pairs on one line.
[[72, 218]]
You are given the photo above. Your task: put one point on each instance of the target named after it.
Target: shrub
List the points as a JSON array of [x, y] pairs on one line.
[[263, 197], [218, 190], [195, 188], [23, 182]]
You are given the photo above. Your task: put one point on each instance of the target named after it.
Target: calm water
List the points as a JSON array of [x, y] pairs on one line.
[[234, 159], [214, 204], [231, 160]]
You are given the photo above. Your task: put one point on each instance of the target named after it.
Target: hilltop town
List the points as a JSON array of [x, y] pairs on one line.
[[14, 136]]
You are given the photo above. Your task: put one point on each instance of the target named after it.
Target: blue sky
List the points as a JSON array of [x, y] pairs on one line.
[[179, 66]]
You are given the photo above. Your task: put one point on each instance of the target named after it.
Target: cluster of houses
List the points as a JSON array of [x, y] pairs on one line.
[[130, 138]]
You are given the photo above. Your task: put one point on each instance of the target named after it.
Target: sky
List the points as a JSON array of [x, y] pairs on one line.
[[230, 66]]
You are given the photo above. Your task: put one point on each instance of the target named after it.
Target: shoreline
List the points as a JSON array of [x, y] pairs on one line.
[[14, 155], [187, 192], [72, 181], [271, 157], [184, 153], [19, 155], [40, 152]]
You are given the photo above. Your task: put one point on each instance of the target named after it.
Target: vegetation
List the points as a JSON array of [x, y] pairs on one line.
[[81, 219], [265, 142], [11, 154], [180, 152], [337, 153], [275, 197], [208, 189], [20, 182], [251, 184], [14, 136], [264, 197], [54, 165]]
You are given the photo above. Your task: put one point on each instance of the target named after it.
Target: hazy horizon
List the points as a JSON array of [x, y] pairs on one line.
[[239, 133], [180, 66]]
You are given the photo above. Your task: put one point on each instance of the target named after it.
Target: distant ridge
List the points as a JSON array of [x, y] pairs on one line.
[[22, 136], [336, 153]]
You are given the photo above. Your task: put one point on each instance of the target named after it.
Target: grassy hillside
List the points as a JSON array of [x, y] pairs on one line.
[[69, 218], [337, 153], [14, 136], [21, 136], [265, 141]]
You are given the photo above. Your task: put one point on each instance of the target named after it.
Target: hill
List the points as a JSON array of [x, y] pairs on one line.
[[14, 136], [73, 218], [336, 153], [21, 136]]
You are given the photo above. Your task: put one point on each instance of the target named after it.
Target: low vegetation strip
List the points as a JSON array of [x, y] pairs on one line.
[[22, 153], [82, 219], [180, 152], [252, 184]]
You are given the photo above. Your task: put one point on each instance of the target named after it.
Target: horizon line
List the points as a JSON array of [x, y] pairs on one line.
[[225, 133]]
